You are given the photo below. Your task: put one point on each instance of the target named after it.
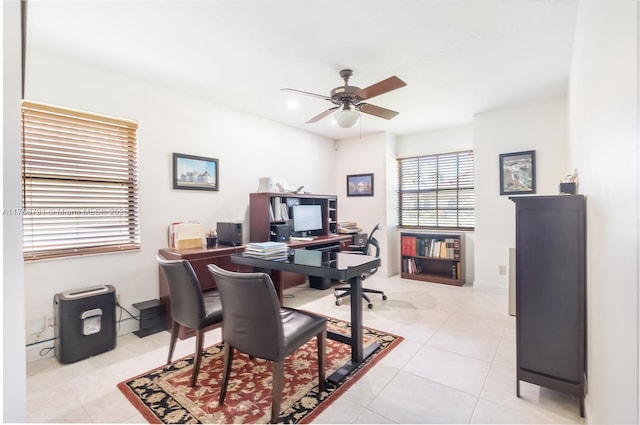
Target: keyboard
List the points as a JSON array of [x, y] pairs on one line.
[[301, 238]]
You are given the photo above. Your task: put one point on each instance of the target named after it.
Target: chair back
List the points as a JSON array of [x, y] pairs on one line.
[[250, 312], [185, 293], [372, 241]]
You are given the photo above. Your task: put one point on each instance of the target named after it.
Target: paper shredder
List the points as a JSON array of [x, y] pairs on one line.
[[85, 322]]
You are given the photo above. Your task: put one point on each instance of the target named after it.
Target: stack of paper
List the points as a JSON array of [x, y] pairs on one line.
[[267, 250]]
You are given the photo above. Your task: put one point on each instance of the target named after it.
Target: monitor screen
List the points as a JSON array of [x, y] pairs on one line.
[[307, 218]]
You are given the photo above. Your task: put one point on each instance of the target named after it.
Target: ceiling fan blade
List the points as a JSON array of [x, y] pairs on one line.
[[323, 114], [376, 110], [307, 93], [381, 87]]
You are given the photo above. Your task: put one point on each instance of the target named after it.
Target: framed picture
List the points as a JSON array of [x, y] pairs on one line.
[[195, 172], [360, 185], [518, 173]]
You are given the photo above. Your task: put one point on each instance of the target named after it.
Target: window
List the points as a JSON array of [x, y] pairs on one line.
[[436, 191], [79, 183]]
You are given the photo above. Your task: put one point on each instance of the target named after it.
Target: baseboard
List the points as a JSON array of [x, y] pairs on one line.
[[44, 349]]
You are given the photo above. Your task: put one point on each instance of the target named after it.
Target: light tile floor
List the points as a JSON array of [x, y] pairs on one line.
[[457, 364]]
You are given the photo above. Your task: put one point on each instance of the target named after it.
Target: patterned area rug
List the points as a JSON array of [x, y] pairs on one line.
[[163, 395]]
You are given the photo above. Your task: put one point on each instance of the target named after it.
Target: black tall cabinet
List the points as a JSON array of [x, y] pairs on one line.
[[551, 292]]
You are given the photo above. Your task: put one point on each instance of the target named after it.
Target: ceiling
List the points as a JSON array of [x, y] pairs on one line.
[[458, 57]]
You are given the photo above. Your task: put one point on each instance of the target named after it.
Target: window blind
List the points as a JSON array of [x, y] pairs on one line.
[[80, 183], [437, 191]]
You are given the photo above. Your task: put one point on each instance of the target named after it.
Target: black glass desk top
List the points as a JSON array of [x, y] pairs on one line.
[[336, 266], [333, 265]]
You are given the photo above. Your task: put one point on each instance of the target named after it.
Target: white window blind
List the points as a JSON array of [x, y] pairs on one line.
[[437, 191], [80, 183]]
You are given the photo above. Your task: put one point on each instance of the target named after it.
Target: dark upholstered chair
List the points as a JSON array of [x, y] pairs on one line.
[[363, 250], [255, 324], [190, 307]]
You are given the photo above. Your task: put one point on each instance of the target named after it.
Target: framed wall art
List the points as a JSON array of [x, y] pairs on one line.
[[360, 185], [518, 173], [192, 172]]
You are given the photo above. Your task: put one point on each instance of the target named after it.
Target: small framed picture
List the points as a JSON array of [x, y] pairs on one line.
[[518, 173], [360, 185], [192, 172]]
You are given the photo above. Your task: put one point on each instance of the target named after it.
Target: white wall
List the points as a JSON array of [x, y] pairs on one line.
[[442, 141], [541, 127], [365, 155], [14, 403], [248, 148], [603, 105]]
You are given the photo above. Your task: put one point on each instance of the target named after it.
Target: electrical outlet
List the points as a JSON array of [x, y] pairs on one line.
[[502, 270], [51, 321], [118, 299]]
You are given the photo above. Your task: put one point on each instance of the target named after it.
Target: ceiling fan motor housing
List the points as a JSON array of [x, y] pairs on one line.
[[345, 93]]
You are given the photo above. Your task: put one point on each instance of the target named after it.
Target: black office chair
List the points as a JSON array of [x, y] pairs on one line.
[[364, 250], [189, 306], [255, 324]]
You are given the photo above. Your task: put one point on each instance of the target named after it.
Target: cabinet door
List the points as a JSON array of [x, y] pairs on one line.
[[549, 291]]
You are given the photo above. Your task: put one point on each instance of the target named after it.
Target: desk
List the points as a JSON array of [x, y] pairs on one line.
[[335, 266], [332, 242]]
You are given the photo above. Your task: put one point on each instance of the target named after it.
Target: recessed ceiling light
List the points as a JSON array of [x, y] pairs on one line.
[[292, 104]]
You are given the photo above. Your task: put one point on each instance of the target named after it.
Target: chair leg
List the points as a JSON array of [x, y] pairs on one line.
[[197, 356], [346, 293], [322, 349], [276, 392], [174, 336], [226, 371]]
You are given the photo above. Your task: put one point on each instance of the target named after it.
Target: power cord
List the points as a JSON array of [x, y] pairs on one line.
[[45, 351], [128, 312], [120, 317]]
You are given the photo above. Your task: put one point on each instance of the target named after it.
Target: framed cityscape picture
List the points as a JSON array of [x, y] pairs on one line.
[[192, 172], [518, 173]]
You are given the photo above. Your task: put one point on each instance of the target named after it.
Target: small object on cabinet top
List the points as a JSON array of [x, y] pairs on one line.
[[348, 227]]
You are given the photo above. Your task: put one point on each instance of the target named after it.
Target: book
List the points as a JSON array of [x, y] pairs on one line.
[[267, 250]]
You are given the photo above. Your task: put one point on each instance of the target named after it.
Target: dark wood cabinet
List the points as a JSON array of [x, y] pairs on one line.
[[551, 292], [271, 208], [266, 209]]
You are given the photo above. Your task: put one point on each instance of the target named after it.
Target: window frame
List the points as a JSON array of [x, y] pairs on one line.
[[415, 190], [80, 183]]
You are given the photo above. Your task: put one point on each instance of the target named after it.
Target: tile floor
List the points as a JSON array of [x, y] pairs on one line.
[[456, 365]]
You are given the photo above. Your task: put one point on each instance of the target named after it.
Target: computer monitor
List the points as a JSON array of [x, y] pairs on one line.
[[306, 218]]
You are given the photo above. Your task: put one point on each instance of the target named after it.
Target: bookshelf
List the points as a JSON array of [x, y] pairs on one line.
[[433, 257]]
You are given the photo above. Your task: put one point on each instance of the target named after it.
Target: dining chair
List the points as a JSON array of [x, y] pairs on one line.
[[256, 324], [190, 307]]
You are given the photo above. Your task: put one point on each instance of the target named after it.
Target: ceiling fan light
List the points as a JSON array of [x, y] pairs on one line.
[[347, 118]]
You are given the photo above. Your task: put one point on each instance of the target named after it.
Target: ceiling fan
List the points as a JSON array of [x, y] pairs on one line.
[[349, 100]]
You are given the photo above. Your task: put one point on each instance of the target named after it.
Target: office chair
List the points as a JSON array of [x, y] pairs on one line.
[[363, 250], [255, 324], [189, 306]]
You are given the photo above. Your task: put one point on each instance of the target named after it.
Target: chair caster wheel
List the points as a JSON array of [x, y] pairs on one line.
[[338, 302], [384, 297], [370, 305]]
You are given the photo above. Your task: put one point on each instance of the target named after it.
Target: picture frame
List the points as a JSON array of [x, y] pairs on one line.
[[360, 185], [518, 173], [191, 172]]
